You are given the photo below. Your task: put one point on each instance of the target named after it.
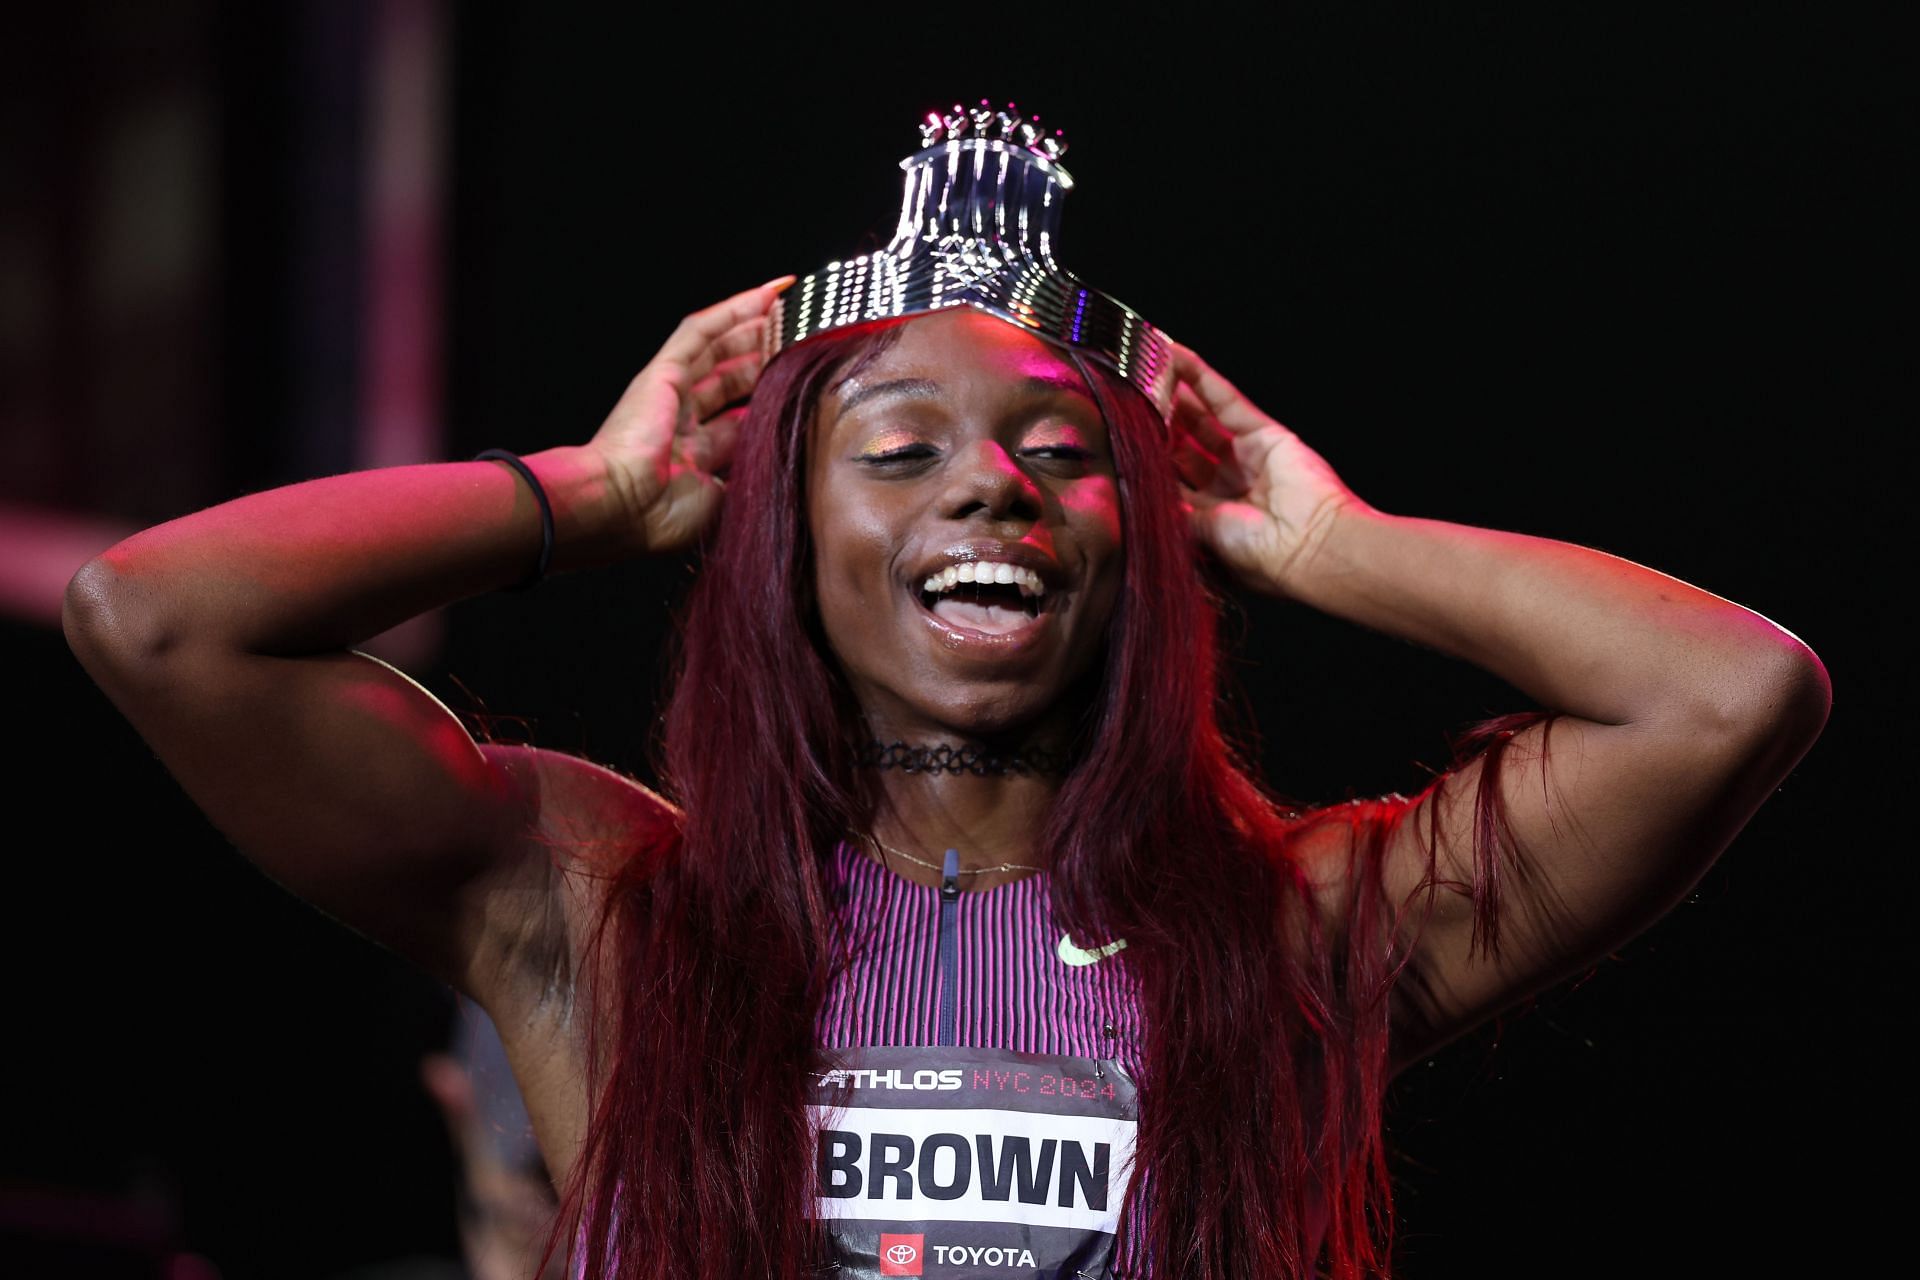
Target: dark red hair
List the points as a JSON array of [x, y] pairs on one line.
[[1266, 1057]]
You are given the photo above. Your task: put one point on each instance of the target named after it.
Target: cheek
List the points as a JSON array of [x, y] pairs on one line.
[[852, 566], [1092, 511], [839, 609], [1092, 508]]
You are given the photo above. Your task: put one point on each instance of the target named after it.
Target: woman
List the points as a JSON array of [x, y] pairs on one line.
[[897, 794]]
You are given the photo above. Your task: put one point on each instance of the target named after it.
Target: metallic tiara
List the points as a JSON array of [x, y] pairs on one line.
[[979, 222]]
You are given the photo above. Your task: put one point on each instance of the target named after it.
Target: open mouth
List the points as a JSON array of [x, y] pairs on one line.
[[992, 608]]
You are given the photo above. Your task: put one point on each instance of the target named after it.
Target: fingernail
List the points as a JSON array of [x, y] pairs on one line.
[[780, 284]]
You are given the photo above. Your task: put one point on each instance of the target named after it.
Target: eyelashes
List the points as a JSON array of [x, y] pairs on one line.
[[907, 453], [889, 445], [922, 452]]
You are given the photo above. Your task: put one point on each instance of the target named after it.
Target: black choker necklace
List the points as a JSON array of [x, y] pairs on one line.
[[966, 759]]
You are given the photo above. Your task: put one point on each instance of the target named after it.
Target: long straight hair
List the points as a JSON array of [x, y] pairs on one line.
[[1266, 1057]]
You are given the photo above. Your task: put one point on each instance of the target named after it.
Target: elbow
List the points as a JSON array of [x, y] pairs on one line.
[[107, 619], [86, 611], [1797, 693], [1779, 705]]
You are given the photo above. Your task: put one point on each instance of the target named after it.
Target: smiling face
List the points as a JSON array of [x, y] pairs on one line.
[[967, 451]]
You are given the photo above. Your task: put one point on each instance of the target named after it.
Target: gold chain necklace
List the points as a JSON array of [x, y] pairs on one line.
[[932, 866]]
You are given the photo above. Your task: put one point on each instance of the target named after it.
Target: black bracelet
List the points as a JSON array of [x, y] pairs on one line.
[[546, 512]]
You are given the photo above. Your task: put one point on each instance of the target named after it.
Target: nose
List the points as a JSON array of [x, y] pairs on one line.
[[987, 480]]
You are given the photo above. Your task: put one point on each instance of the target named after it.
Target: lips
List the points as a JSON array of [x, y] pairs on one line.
[[993, 551], [987, 630], [993, 597], [991, 619]]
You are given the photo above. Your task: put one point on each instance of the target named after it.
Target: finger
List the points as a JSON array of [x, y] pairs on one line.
[[1228, 476], [713, 444], [1199, 511], [730, 381], [1192, 416], [1194, 464], [450, 1085], [747, 336], [704, 326], [1220, 398]]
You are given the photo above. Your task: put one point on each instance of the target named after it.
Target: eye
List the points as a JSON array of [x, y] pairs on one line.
[[1069, 461], [903, 454], [1060, 443]]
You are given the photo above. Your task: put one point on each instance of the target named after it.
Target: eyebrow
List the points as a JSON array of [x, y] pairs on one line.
[[927, 389]]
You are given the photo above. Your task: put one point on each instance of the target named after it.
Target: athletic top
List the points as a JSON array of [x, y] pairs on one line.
[[995, 971], [1012, 989], [986, 970]]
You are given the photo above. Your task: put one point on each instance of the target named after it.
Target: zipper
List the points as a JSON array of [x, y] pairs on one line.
[[949, 1028]]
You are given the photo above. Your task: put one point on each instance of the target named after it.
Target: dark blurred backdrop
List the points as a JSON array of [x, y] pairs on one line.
[[1632, 280]]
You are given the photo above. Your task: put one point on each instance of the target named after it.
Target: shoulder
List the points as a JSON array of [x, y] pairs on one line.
[[585, 810], [1337, 856], [585, 828], [1333, 840]]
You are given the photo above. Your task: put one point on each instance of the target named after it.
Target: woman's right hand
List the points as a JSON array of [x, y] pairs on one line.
[[668, 442]]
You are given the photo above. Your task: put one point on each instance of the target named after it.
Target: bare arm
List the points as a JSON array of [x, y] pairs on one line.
[[1680, 711], [224, 637]]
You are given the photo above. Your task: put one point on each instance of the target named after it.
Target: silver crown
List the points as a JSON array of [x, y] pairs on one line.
[[985, 123], [979, 223]]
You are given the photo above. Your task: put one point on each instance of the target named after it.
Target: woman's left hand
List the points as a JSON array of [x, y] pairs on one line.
[[1257, 496]]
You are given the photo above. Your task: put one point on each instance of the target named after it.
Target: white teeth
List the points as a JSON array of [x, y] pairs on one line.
[[986, 571]]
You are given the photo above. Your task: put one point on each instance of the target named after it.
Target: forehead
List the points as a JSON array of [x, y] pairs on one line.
[[964, 352]]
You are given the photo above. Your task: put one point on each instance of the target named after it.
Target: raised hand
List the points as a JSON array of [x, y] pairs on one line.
[[1257, 496], [669, 440]]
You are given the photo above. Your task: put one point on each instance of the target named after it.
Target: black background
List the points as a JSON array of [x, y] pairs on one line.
[[1629, 280]]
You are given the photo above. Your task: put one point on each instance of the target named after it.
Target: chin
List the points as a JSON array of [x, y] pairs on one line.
[[1007, 717], [1003, 710]]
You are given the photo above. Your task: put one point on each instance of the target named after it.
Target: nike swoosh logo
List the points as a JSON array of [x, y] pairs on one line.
[[1070, 954]]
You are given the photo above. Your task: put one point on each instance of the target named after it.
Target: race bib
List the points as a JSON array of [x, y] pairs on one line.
[[959, 1163]]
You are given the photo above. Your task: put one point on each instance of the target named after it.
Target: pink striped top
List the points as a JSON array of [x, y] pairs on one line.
[[1012, 989]]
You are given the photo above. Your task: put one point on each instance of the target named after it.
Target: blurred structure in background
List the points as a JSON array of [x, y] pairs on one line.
[[506, 1200], [86, 1236], [220, 271], [219, 266]]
